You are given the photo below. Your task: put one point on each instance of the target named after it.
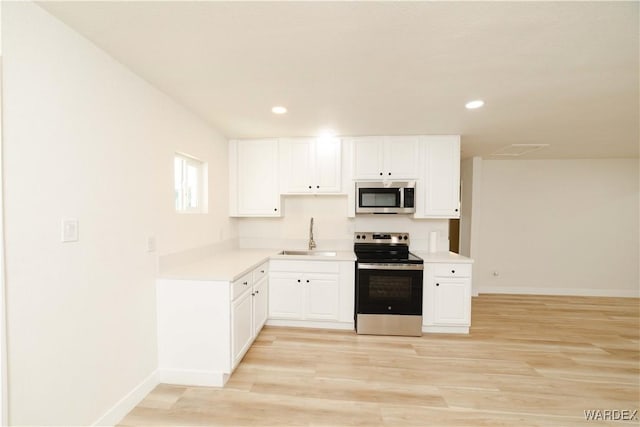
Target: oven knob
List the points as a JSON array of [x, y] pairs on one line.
[[364, 237], [357, 236], [406, 237]]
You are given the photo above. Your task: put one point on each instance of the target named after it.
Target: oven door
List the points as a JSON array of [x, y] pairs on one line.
[[389, 289]]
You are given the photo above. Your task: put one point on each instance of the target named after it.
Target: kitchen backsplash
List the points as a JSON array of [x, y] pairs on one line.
[[332, 228]]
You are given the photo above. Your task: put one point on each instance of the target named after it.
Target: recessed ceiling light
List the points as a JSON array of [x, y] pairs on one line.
[[472, 105], [279, 110]]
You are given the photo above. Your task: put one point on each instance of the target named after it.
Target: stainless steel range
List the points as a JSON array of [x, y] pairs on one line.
[[388, 285]]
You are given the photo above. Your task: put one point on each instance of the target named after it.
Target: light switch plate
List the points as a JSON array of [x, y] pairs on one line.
[[70, 230]]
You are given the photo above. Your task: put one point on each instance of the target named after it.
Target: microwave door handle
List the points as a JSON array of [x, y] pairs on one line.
[[401, 197]]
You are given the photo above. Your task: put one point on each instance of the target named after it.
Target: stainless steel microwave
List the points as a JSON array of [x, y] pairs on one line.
[[385, 197]]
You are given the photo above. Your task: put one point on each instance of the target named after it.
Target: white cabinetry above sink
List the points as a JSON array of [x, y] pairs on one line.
[[310, 165]]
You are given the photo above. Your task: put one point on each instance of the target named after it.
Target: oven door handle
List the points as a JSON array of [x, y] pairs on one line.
[[382, 266]]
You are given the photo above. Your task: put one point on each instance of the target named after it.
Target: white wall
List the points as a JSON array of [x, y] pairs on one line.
[[3, 337], [86, 138], [559, 227], [332, 229]]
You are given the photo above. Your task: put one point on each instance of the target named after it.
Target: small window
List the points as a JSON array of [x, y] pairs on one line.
[[190, 184]]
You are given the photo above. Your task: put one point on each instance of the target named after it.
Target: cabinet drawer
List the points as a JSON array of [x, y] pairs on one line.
[[305, 266], [260, 272], [242, 284], [452, 270]]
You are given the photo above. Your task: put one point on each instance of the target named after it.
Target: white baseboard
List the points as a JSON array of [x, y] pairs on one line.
[[114, 415], [446, 329], [192, 377], [632, 293], [310, 324]]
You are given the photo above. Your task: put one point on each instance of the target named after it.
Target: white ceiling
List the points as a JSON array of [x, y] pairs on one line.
[[558, 73]]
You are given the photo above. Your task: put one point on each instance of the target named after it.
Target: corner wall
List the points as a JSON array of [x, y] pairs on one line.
[[559, 227], [86, 138]]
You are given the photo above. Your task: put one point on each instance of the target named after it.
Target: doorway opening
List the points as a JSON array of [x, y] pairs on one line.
[[454, 235]]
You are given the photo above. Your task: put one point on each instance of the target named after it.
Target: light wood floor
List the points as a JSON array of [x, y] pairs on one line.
[[528, 361]]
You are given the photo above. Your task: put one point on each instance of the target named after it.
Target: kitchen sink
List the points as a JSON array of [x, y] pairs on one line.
[[309, 253]]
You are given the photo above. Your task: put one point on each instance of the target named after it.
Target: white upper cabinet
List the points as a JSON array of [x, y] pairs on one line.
[[310, 165], [388, 157], [401, 157], [254, 183], [368, 157], [438, 191]]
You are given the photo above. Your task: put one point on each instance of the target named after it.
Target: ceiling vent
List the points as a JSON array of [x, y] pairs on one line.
[[515, 150]]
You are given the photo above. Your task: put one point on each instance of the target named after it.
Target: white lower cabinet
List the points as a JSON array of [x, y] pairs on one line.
[[322, 297], [447, 298], [304, 296], [242, 326], [452, 297], [260, 305], [302, 293], [286, 296], [206, 327]]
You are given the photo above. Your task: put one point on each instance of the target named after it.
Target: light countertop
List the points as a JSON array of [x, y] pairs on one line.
[[230, 264], [442, 257]]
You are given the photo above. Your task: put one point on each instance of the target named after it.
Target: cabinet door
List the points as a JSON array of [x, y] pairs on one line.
[[441, 184], [328, 165], [452, 301], [322, 296], [286, 294], [401, 157], [367, 157], [257, 177], [260, 305], [241, 326], [296, 165]]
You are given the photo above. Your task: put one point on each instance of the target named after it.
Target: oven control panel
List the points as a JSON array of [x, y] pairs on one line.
[[378, 237]]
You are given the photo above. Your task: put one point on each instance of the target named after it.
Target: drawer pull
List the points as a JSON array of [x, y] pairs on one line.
[[298, 280], [437, 284], [453, 271], [307, 281]]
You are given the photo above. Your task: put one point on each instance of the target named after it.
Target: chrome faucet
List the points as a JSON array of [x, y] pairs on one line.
[[312, 243]]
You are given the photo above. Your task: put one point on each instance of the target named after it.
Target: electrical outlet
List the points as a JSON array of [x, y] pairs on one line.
[[70, 230], [151, 244]]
